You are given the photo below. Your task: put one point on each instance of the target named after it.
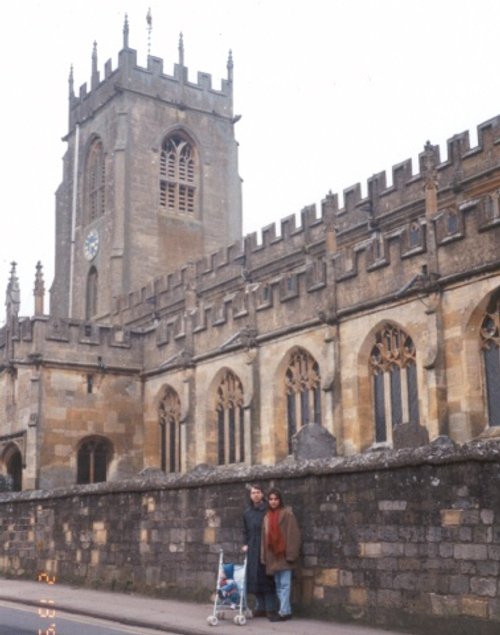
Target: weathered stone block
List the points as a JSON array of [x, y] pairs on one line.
[[474, 606], [484, 586], [371, 549], [451, 517], [459, 584], [393, 505], [358, 596], [487, 516], [409, 435], [313, 441], [470, 552], [328, 577], [444, 605]]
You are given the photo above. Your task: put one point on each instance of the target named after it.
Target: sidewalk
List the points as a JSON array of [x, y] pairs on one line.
[[182, 618]]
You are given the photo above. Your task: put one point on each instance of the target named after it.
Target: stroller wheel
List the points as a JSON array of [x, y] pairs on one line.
[[212, 620], [240, 620]]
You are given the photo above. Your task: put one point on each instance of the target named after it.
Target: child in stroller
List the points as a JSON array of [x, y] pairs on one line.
[[228, 589]]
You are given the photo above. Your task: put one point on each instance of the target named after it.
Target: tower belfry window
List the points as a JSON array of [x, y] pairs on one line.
[[178, 175]]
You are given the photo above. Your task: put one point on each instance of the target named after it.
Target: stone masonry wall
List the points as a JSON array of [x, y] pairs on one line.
[[406, 538]]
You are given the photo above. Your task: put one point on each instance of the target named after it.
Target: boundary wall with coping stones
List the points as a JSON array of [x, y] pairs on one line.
[[401, 539]]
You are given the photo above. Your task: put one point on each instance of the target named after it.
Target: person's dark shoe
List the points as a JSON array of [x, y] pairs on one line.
[[280, 618]]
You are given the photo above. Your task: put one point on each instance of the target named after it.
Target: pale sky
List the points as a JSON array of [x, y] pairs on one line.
[[330, 92]]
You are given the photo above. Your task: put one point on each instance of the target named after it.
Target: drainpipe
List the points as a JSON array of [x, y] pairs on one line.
[[73, 219]]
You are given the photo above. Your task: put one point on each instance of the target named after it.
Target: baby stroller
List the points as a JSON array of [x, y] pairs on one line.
[[230, 596]]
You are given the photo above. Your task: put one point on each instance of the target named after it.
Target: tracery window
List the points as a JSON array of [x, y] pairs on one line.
[[91, 294], [170, 439], [178, 175], [490, 346], [230, 420], [394, 372], [95, 181], [94, 456], [303, 392]]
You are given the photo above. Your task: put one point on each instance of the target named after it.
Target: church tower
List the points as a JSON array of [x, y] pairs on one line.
[[150, 180]]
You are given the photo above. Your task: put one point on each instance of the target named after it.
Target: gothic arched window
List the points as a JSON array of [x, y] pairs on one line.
[[170, 440], [94, 456], [178, 175], [394, 371], [95, 181], [91, 294], [230, 420], [303, 392], [490, 346]]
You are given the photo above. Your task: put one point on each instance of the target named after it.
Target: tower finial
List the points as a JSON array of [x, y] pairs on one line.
[[94, 59], [429, 164], [149, 21], [95, 72], [125, 32], [71, 83], [39, 289], [13, 295], [181, 49], [230, 66]]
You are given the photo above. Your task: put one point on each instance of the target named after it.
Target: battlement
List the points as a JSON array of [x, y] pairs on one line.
[[387, 227], [151, 81], [462, 164], [315, 286], [336, 249], [225, 300], [44, 339]]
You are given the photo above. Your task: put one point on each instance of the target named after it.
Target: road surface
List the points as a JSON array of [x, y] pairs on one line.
[[48, 620]]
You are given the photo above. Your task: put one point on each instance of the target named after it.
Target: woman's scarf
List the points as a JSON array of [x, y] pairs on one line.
[[275, 538]]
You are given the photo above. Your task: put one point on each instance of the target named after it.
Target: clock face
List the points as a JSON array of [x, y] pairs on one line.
[[91, 244]]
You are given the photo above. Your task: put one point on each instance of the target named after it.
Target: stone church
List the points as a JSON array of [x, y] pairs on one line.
[[171, 341]]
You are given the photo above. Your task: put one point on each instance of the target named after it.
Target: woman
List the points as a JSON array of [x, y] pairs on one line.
[[258, 583], [280, 546]]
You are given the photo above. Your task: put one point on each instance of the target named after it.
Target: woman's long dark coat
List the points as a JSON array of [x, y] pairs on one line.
[[257, 580]]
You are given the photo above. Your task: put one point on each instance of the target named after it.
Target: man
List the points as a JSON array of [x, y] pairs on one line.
[[258, 583]]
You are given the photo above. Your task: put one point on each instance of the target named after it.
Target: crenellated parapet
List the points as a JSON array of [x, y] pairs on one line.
[[51, 341], [421, 231], [398, 240], [175, 89], [406, 193]]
